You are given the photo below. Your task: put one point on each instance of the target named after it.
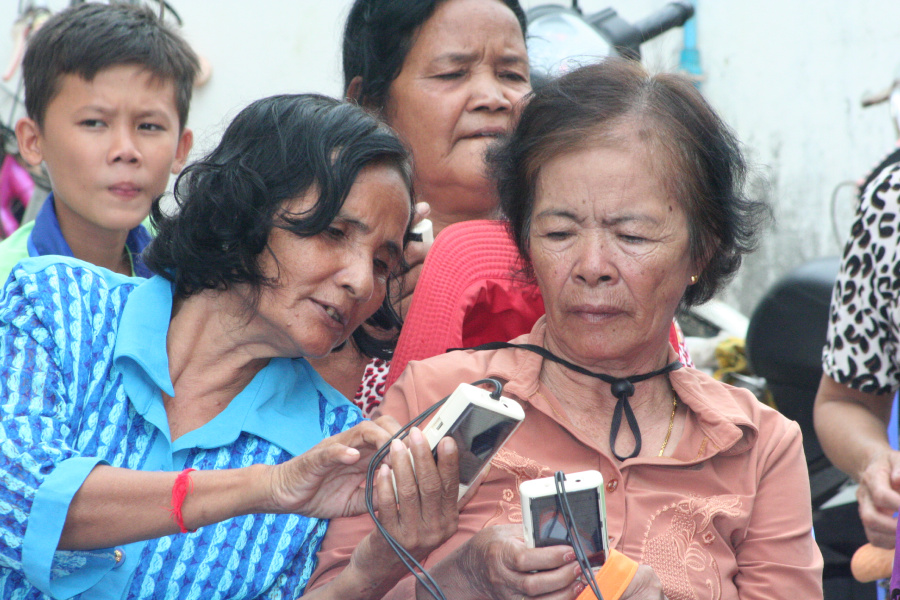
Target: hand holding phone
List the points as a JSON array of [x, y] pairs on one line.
[[478, 423], [543, 520]]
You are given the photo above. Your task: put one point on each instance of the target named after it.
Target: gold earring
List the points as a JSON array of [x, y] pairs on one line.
[[694, 279]]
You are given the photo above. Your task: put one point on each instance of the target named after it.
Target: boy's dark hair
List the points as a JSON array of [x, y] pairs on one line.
[[87, 38], [276, 150], [378, 36]]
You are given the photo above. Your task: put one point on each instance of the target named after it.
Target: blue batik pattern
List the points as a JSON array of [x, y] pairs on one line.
[[62, 399]]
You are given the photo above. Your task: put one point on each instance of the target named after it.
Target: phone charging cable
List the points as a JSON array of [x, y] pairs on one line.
[[562, 500], [414, 567]]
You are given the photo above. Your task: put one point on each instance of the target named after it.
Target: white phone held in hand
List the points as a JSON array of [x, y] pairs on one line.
[[543, 520], [479, 424]]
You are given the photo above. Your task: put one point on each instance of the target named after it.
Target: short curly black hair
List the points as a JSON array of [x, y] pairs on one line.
[[380, 33], [275, 150], [585, 107]]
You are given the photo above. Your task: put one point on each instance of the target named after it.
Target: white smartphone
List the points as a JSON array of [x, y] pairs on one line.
[[479, 424], [423, 231], [543, 519]]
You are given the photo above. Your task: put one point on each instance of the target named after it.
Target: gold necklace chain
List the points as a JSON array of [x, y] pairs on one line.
[[671, 424]]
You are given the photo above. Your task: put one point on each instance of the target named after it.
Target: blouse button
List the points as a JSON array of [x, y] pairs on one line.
[[611, 485], [119, 556]]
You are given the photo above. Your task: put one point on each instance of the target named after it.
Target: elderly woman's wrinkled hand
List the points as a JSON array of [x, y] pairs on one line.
[[326, 481], [879, 498], [497, 564]]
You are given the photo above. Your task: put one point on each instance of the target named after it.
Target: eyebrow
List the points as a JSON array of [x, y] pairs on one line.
[[153, 113], [630, 218], [141, 114], [461, 58], [557, 212], [355, 223], [512, 59], [95, 109], [565, 214], [393, 247]]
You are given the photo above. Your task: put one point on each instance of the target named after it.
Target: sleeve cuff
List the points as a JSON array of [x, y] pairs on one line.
[[60, 574], [613, 578]]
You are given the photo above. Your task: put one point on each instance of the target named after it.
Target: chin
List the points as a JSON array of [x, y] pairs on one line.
[[120, 225], [124, 221], [335, 347], [481, 202], [594, 352]]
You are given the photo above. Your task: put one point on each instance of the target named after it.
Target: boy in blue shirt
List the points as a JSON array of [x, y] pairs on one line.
[[107, 91]]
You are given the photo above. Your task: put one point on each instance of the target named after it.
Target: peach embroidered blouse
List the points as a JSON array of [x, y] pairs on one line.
[[727, 516]]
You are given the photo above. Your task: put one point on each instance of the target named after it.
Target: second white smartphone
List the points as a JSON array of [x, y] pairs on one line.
[[542, 515]]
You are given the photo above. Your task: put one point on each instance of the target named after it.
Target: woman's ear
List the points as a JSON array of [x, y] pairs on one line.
[[354, 90], [706, 247]]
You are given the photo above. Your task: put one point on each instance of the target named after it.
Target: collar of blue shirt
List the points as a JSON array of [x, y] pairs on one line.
[[280, 404], [47, 238]]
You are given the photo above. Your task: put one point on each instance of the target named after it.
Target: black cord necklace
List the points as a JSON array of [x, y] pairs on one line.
[[621, 388]]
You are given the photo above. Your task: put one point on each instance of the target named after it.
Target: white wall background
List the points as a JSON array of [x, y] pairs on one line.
[[787, 75]]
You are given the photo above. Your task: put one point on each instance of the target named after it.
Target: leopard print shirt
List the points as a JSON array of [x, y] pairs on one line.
[[862, 350]]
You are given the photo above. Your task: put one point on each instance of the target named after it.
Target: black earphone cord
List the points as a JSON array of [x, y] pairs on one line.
[[621, 388], [562, 502], [422, 576]]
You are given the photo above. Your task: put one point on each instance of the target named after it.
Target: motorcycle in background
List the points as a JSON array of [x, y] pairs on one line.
[[561, 38], [784, 346]]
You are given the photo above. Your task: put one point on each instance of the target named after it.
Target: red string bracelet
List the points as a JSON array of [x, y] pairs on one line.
[[183, 486]]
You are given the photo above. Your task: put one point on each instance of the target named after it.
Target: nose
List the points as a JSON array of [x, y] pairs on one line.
[[489, 93], [357, 277], [594, 264], [123, 147]]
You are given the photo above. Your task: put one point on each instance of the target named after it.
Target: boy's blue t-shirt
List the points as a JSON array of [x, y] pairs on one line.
[[44, 237]]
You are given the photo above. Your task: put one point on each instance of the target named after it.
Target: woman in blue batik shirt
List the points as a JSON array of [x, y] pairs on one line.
[[165, 438]]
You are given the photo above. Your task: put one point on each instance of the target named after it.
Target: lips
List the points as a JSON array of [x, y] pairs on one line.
[[124, 190], [486, 132], [333, 313], [596, 313]]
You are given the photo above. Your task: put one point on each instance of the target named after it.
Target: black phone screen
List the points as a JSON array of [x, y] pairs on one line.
[[549, 525], [478, 433]]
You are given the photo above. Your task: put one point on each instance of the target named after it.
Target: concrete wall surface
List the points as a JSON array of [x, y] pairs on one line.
[[787, 75]]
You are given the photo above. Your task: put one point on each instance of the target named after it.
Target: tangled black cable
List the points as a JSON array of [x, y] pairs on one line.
[[622, 388], [562, 502], [421, 575]]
